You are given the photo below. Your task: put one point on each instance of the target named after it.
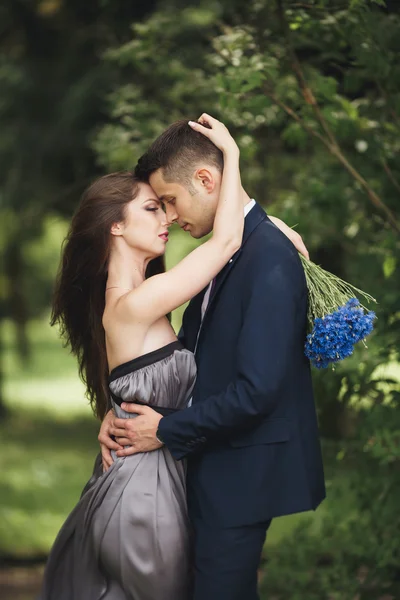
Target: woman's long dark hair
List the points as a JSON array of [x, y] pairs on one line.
[[79, 297]]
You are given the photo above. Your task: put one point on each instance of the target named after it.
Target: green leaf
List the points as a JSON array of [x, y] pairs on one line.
[[389, 266]]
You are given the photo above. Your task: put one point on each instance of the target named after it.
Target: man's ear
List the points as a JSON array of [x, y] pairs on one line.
[[206, 179], [117, 228]]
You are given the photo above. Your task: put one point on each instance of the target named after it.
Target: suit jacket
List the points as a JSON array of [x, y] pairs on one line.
[[251, 434]]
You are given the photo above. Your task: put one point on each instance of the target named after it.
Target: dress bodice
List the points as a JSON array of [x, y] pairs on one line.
[[162, 379]]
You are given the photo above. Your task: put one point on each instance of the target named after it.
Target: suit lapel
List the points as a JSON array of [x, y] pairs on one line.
[[192, 320], [252, 220]]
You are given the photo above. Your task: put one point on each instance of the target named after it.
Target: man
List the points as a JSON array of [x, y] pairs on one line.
[[250, 431]]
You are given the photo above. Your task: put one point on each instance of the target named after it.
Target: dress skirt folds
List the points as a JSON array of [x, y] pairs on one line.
[[128, 537]]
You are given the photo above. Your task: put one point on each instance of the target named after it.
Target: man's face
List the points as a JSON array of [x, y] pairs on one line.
[[193, 210]]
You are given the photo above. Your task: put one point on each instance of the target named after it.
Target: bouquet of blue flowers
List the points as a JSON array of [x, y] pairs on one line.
[[337, 320]]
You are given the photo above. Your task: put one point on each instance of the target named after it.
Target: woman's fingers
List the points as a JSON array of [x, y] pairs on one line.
[[208, 120], [300, 245], [205, 123], [106, 466], [104, 439], [106, 457], [200, 127], [215, 131]]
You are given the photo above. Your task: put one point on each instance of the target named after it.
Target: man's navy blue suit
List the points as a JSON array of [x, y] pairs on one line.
[[251, 435]]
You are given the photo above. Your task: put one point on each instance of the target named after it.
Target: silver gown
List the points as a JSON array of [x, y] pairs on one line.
[[128, 537]]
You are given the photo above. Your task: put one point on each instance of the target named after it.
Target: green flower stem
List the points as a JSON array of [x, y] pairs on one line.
[[326, 291]]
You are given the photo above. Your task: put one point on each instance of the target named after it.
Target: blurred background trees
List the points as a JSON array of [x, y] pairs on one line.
[[311, 90], [53, 83]]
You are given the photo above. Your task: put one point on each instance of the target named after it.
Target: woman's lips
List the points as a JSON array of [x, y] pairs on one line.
[[164, 236]]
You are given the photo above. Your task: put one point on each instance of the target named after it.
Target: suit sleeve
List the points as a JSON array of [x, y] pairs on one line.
[[264, 348]]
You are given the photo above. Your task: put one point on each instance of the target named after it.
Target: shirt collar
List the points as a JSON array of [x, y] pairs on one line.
[[249, 206]]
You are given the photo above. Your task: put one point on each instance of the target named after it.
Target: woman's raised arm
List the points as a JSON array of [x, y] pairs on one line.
[[161, 294]]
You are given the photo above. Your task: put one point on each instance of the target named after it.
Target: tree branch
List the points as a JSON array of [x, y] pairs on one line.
[[330, 140], [390, 175], [296, 117], [319, 8], [335, 150], [305, 88]]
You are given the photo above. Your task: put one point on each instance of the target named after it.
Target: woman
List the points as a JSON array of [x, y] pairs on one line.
[[128, 537]]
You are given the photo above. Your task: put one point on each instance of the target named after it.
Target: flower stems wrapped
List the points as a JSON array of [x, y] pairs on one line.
[[337, 320]]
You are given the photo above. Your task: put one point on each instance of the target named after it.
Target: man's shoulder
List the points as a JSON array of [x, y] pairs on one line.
[[267, 253], [268, 245]]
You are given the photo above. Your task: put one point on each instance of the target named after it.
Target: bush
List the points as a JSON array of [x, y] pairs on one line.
[[355, 556]]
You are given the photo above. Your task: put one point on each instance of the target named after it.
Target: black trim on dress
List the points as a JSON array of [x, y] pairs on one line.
[[144, 360]]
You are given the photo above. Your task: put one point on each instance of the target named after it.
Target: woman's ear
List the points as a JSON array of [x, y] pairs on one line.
[[206, 179], [117, 228]]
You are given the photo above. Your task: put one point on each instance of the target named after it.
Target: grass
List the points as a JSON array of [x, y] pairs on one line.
[[49, 381], [46, 463], [49, 444]]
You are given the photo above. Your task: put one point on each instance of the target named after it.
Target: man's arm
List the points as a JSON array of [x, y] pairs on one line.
[[109, 428], [275, 299], [263, 351]]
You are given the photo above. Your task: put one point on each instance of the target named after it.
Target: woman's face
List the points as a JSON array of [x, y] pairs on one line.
[[145, 226]]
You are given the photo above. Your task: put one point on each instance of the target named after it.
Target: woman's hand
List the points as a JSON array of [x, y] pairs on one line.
[[106, 442], [216, 132], [293, 236]]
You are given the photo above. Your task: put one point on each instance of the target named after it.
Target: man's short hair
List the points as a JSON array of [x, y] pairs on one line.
[[178, 151]]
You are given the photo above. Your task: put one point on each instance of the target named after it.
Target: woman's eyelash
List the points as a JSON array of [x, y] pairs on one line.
[[152, 209]]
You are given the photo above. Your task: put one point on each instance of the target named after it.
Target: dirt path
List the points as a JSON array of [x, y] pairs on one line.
[[20, 583]]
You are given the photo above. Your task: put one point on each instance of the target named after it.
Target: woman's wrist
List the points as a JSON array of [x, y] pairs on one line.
[[231, 152]]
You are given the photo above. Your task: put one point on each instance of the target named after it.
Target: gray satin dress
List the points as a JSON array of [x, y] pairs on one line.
[[128, 537]]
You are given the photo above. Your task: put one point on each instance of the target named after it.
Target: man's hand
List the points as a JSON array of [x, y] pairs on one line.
[[293, 236], [106, 443], [138, 433]]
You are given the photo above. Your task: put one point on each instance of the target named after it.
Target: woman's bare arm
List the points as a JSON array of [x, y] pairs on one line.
[[163, 293]]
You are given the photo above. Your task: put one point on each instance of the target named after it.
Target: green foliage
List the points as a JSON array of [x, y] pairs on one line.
[[40, 486], [52, 100], [240, 66], [356, 554], [281, 81], [162, 63], [51, 441]]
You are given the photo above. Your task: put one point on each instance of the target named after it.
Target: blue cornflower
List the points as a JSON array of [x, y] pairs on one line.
[[333, 336]]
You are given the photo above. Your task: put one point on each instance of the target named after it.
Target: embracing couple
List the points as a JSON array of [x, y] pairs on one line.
[[205, 437]]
